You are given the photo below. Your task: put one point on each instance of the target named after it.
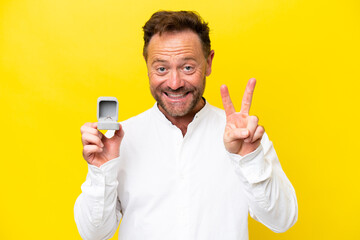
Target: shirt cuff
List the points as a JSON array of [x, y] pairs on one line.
[[106, 173], [252, 166]]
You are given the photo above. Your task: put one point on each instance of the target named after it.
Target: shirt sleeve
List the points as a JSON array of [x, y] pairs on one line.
[[271, 197], [97, 209]]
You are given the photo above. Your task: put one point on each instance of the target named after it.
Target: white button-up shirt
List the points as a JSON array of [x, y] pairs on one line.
[[166, 186]]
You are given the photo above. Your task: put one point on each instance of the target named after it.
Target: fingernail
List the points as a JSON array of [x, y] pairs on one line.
[[244, 132]]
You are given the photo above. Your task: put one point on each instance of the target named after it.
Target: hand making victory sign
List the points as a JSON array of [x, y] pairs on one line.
[[242, 132]]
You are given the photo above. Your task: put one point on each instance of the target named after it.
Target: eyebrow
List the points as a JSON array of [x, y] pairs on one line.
[[156, 60], [189, 58], [183, 59], [159, 60]]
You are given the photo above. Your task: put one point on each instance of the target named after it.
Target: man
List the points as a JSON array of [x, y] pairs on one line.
[[184, 169]]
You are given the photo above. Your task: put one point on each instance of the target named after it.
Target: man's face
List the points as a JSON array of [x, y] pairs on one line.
[[177, 70]]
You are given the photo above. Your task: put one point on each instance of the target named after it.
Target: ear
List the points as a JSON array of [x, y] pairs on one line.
[[209, 62]]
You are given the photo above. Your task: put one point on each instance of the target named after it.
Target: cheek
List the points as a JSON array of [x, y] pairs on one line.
[[196, 78], [155, 80]]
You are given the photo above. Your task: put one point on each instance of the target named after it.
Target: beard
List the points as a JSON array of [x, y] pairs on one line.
[[182, 108]]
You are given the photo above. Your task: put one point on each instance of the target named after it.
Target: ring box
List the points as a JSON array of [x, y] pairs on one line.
[[107, 113]]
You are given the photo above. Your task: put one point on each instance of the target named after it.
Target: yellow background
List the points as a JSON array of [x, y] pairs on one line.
[[57, 57]]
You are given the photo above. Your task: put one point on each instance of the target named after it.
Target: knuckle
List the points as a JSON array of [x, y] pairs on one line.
[[86, 150], [95, 132], [245, 105], [262, 129], [244, 116], [91, 131], [254, 118], [84, 136], [228, 135]]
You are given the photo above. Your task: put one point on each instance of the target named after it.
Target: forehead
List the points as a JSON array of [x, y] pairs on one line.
[[174, 44]]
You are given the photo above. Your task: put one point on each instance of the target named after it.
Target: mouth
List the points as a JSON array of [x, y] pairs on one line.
[[176, 96]]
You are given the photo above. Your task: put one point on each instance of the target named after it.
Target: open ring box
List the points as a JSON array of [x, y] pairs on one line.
[[107, 113]]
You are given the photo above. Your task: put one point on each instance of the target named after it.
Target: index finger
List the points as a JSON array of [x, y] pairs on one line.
[[226, 100], [247, 98]]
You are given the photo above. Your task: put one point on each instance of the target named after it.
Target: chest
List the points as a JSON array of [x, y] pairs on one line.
[[168, 169]]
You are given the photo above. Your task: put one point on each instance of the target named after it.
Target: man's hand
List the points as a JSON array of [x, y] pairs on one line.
[[99, 149], [242, 132]]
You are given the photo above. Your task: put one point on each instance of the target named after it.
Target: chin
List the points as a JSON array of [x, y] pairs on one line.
[[176, 111]]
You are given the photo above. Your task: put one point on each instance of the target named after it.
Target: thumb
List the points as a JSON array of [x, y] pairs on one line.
[[116, 137], [119, 134]]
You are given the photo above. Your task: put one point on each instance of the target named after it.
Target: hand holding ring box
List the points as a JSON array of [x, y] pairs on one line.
[[107, 113]]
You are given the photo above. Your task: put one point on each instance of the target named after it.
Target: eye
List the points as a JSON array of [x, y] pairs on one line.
[[161, 69], [188, 68]]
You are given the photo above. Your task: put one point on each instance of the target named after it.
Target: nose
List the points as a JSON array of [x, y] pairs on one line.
[[175, 81]]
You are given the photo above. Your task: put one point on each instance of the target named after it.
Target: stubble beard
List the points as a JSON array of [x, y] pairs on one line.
[[178, 110]]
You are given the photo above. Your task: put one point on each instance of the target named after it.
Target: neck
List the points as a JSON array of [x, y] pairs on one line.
[[182, 122]]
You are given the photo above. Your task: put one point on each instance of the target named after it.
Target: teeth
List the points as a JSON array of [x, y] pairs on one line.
[[175, 95]]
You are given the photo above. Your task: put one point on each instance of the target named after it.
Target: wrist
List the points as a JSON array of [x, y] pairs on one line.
[[248, 148]]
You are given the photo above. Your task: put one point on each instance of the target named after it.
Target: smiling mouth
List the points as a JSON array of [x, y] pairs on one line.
[[176, 96]]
